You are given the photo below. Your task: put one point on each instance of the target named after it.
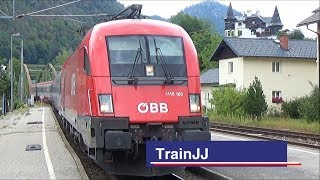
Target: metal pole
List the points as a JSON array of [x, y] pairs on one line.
[[11, 81], [12, 9], [21, 73], [318, 51]]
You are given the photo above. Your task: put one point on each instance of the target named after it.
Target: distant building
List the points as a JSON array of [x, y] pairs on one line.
[[209, 80], [284, 67], [252, 25]]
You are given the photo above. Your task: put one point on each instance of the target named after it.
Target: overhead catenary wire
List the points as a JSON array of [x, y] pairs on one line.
[[35, 12], [68, 15], [3, 13], [74, 20]]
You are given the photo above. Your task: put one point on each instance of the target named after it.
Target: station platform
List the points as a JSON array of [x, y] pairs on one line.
[[55, 160]]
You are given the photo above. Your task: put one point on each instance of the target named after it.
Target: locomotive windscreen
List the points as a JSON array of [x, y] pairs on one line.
[[146, 56]]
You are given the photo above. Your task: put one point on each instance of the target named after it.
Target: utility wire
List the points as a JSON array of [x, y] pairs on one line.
[[74, 20], [35, 12], [3, 13], [67, 15]]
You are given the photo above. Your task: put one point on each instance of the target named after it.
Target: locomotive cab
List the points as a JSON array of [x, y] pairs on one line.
[[129, 82]]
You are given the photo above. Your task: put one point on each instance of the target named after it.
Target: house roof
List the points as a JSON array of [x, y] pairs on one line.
[[210, 77], [249, 47], [315, 18], [230, 13], [275, 20]]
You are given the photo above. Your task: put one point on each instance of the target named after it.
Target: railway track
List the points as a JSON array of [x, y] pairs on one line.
[[93, 171], [296, 138]]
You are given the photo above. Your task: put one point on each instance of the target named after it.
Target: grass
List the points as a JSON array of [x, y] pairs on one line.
[[282, 123], [20, 111]]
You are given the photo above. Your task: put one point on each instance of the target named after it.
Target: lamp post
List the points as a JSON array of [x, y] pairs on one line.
[[11, 72], [21, 73]]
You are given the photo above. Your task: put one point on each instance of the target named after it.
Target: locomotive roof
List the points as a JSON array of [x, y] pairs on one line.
[[137, 26]]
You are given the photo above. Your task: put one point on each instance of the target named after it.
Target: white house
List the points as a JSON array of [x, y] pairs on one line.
[[209, 80], [284, 67]]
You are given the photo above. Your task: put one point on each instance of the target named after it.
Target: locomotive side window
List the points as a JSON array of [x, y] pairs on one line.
[[86, 63]]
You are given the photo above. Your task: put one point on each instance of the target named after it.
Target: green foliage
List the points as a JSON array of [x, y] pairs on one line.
[[61, 57], [18, 104], [189, 23], [307, 107], [228, 101], [45, 37], [311, 105], [296, 34], [4, 79], [202, 35], [292, 108], [205, 43], [255, 104]]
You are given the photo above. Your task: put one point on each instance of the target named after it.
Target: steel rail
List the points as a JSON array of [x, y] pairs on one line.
[[292, 134], [260, 133]]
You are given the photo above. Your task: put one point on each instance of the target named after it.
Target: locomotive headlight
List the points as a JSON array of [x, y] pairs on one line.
[[105, 101], [194, 100]]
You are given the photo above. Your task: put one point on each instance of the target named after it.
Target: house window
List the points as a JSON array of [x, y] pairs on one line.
[[277, 97], [230, 67], [276, 66]]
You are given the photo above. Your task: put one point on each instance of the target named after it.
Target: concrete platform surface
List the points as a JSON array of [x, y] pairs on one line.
[[309, 158], [53, 161]]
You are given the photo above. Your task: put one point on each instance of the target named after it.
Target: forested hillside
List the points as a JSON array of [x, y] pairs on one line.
[[212, 11], [45, 37]]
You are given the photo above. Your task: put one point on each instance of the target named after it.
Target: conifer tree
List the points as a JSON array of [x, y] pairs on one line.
[[255, 104]]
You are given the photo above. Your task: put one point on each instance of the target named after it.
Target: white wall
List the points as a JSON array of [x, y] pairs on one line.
[[292, 80], [236, 77], [205, 99]]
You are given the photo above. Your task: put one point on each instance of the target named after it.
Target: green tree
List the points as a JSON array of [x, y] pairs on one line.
[[296, 34], [4, 79], [228, 101], [311, 105], [189, 23], [61, 57], [255, 104], [202, 35], [206, 42]]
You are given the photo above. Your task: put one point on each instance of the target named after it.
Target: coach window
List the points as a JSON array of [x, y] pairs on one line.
[[86, 66]]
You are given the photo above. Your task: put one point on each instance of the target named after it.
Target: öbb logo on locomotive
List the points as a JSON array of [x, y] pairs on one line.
[[153, 107]]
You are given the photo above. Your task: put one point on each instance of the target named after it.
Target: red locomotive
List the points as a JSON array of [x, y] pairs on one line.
[[130, 81]]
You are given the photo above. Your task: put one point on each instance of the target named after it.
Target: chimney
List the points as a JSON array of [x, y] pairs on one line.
[[284, 38]]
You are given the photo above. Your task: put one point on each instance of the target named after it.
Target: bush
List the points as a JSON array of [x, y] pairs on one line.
[[255, 104], [311, 105], [292, 108], [228, 101], [18, 104]]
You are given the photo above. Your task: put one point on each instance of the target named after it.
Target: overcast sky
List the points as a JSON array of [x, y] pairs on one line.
[[291, 12]]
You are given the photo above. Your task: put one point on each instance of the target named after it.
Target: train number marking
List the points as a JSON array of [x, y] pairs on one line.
[[174, 94], [153, 107]]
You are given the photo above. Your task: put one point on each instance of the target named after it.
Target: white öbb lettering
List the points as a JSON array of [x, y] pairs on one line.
[[153, 107]]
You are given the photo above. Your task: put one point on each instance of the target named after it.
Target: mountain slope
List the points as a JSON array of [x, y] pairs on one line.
[[44, 37], [213, 11]]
